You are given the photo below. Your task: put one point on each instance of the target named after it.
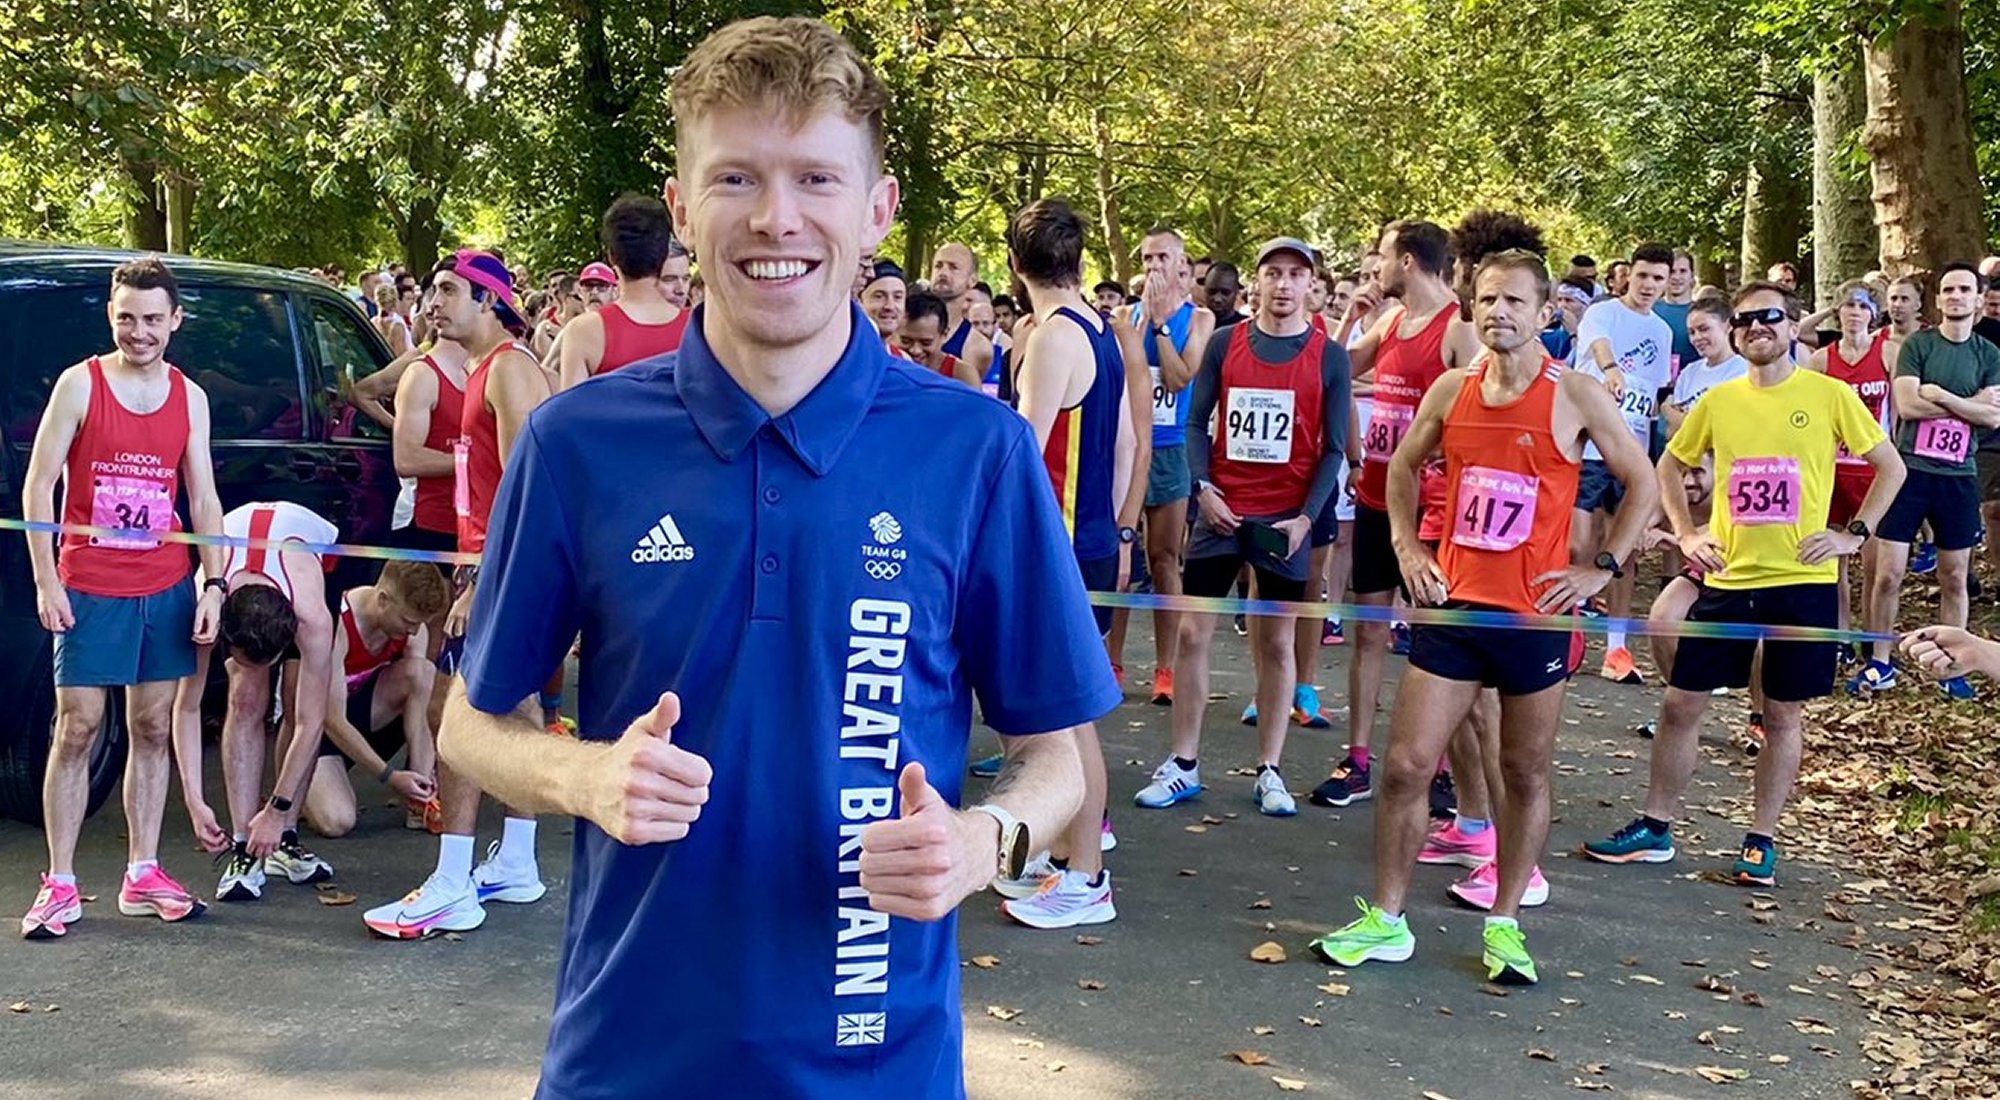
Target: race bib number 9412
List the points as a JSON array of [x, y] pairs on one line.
[[1259, 426]]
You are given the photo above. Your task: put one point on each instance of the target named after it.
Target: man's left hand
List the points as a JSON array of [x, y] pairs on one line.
[[1572, 586], [1828, 544], [1297, 529], [924, 862]]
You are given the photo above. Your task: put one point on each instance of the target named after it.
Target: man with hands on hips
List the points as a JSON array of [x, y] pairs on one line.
[[790, 596]]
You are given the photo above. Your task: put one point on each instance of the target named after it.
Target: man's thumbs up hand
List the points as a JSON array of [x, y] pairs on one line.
[[927, 859], [649, 789]]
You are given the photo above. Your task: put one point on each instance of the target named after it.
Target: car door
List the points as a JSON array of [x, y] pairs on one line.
[[342, 349]]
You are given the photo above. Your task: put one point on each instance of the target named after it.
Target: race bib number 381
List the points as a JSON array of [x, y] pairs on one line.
[[1259, 426]]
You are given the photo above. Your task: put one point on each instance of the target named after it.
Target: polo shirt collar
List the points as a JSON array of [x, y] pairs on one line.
[[817, 429]]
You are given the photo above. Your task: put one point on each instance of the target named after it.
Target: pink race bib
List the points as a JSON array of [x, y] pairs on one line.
[[1387, 425], [136, 504], [1764, 491], [461, 481], [1496, 508], [1944, 439]]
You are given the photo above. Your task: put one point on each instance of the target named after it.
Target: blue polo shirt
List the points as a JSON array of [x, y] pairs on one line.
[[829, 591]]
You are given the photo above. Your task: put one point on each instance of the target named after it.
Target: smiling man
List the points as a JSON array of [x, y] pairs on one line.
[[790, 596]]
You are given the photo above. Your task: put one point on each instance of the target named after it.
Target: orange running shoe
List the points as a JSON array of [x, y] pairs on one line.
[[1619, 668], [1163, 687]]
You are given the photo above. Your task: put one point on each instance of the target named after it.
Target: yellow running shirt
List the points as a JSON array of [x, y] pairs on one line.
[[1773, 452]]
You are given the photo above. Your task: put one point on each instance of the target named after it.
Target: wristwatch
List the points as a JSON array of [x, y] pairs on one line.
[[1128, 534], [1859, 528], [1163, 330], [1609, 564], [280, 803], [215, 582], [1013, 853]]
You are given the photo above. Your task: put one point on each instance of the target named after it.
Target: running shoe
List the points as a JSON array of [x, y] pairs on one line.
[[242, 876], [1619, 668], [1305, 708], [295, 862], [988, 767], [1957, 689], [1753, 736], [1452, 846], [1758, 863], [1118, 674], [1923, 558], [1647, 730], [156, 895], [1852, 655], [1348, 784], [1163, 687], [1874, 676], [434, 816], [439, 905], [1272, 799], [1506, 954], [1444, 797], [56, 907], [1037, 871], [1399, 639], [1106, 839], [1242, 628], [1592, 608], [1250, 714], [1478, 889], [563, 727], [1333, 633], [1376, 937], [1065, 901], [1635, 843], [1171, 783], [498, 880]]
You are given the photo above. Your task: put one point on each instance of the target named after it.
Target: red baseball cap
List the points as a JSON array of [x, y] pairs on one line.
[[598, 273]]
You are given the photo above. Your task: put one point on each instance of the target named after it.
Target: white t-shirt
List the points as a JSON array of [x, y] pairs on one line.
[[1701, 377], [1641, 346]]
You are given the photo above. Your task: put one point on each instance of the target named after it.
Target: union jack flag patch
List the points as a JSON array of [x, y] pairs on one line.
[[855, 1029]]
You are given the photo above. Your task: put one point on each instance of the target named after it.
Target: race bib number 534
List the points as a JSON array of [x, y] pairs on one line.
[[1259, 425], [1764, 490]]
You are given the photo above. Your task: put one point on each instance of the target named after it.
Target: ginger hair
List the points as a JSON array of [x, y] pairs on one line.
[[798, 66]]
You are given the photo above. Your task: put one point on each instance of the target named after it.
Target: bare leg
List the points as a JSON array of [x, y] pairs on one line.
[[1114, 641], [1085, 855], [66, 782], [329, 803], [243, 742], [149, 716], [1364, 673], [1191, 683], [1674, 751], [1953, 567], [1527, 745], [1989, 514], [1671, 607], [1778, 764], [1428, 708], [1340, 567], [1166, 534], [1885, 592], [1305, 649], [1473, 770], [1271, 637]]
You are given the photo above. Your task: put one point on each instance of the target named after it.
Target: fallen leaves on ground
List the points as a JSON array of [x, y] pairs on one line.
[[330, 896], [1716, 1075], [986, 962], [1001, 1013], [1089, 941], [1335, 989], [1289, 1084], [20, 1006], [1269, 951], [1250, 1057], [1089, 983]]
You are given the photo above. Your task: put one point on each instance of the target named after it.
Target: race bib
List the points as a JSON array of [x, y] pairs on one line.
[[137, 504], [1638, 408], [1387, 425], [1259, 426], [461, 480], [1764, 491], [1166, 404], [1673, 369], [1944, 439], [1496, 508]]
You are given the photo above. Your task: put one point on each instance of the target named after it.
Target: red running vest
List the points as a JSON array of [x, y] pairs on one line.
[[1869, 377], [361, 661], [477, 450], [628, 341], [1404, 369], [124, 471], [434, 508], [1268, 426]]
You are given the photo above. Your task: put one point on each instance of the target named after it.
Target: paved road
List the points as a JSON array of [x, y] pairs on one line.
[[290, 997]]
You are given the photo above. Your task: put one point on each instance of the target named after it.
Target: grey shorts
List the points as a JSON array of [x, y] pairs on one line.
[[1208, 543], [122, 640], [1168, 479]]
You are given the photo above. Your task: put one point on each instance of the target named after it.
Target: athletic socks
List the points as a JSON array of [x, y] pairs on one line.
[[1262, 768], [454, 857], [1183, 763], [1503, 922], [1359, 756], [289, 836], [517, 843], [1614, 639], [63, 880], [1472, 826], [1656, 824], [136, 871]]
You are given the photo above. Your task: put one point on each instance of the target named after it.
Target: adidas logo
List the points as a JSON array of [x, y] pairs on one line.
[[663, 543]]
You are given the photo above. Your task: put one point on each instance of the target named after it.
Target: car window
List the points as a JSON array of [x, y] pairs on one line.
[[346, 356], [236, 343]]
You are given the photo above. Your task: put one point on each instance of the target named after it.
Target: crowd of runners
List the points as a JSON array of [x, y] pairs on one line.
[[1434, 419]]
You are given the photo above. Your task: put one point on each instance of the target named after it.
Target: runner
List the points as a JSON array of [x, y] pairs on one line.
[[1767, 559], [1624, 344], [677, 284], [638, 235], [1222, 290], [858, 1003], [1673, 307], [1262, 474], [379, 702], [474, 305], [1108, 297], [1084, 394], [1864, 357], [565, 306], [1395, 363], [1512, 428], [885, 297], [921, 339], [1946, 388], [123, 432], [1678, 596], [1715, 360], [1906, 308], [274, 618], [428, 405], [953, 271]]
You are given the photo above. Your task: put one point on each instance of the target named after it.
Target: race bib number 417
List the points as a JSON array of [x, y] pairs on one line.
[[1259, 427]]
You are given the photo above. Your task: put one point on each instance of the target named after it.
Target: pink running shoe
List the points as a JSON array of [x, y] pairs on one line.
[[157, 895], [1479, 888], [55, 907], [1450, 846]]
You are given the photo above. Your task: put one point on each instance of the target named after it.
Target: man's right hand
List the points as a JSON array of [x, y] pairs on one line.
[[1216, 513], [207, 832], [1422, 577], [647, 789], [52, 606], [1702, 549], [415, 787], [455, 619], [1157, 299]]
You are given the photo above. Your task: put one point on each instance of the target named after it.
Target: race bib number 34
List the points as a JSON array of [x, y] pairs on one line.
[[1496, 508], [1259, 426], [1764, 491], [136, 504], [1944, 439]]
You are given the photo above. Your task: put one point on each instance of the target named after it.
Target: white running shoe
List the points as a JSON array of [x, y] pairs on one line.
[[498, 881], [439, 905], [297, 863], [1272, 799], [1065, 901], [242, 878], [1033, 875], [1171, 783]]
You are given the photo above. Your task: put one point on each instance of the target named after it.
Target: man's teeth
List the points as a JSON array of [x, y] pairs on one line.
[[775, 269]]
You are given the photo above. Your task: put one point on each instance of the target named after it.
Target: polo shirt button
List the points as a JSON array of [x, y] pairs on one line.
[[772, 495], [769, 564]]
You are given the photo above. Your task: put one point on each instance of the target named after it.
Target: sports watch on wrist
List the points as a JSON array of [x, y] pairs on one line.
[[214, 582], [1609, 564], [280, 803], [1859, 528], [1013, 852], [1128, 534]]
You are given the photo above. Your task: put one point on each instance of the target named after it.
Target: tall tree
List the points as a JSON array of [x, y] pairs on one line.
[[1919, 138], [1844, 242]]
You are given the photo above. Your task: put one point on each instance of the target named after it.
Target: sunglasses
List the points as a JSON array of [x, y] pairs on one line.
[[1766, 317]]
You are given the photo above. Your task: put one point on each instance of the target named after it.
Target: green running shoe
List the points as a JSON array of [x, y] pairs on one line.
[[1507, 961], [1377, 936]]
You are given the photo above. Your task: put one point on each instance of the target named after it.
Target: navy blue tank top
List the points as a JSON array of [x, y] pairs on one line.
[[1082, 452]]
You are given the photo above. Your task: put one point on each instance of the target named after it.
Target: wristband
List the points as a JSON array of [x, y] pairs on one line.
[[215, 582], [387, 771]]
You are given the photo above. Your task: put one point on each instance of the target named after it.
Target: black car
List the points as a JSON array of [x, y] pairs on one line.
[[272, 349]]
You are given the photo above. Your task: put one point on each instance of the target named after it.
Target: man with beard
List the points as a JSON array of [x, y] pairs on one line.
[[954, 270]]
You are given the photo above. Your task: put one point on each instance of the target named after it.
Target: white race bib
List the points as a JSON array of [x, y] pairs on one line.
[[1166, 405], [1259, 426]]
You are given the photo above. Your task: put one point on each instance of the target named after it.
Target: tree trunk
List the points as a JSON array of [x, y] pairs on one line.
[[1107, 202], [1844, 244], [1777, 200], [1919, 141], [422, 232], [145, 217], [179, 192]]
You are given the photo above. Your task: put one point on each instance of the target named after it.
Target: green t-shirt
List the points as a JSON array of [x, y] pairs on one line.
[[1962, 369]]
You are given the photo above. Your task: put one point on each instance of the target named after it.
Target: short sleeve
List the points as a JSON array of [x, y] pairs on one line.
[[524, 609], [1693, 440], [1853, 424], [1592, 328], [1910, 361], [1024, 631]]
